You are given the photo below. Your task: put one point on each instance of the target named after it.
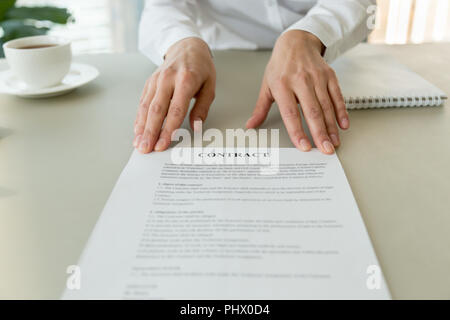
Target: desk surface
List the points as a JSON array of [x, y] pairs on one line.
[[60, 158]]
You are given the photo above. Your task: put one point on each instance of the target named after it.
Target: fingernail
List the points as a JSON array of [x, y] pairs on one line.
[[334, 139], [143, 146], [328, 146], [344, 123], [160, 144], [305, 145], [136, 140], [197, 124]]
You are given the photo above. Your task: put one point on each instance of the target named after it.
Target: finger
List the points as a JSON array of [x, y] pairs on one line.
[[146, 96], [328, 112], [143, 95], [156, 114], [338, 102], [203, 101], [141, 118], [262, 107], [184, 92], [314, 116], [291, 117]]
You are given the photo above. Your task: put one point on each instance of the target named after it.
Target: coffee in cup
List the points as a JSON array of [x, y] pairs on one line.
[[39, 61]]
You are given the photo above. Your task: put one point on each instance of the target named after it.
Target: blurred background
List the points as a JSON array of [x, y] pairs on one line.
[[111, 25]]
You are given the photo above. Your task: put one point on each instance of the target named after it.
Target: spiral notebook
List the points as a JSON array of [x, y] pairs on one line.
[[373, 80]]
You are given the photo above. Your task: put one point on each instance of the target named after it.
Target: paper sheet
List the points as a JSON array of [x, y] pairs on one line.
[[205, 231]]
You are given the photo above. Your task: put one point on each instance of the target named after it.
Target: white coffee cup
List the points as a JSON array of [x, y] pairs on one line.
[[39, 61]]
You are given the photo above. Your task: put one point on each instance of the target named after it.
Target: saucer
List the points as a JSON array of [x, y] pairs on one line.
[[79, 75]]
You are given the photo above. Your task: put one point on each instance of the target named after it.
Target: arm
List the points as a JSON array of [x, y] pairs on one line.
[[163, 23], [298, 73], [169, 37]]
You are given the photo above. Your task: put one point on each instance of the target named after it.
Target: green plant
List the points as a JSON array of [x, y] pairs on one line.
[[17, 21]]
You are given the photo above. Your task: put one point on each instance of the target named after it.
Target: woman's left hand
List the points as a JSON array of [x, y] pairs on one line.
[[298, 74]]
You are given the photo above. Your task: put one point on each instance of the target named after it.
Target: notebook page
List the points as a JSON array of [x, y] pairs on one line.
[[370, 75]]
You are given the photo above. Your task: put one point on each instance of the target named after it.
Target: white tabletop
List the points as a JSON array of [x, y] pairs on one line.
[[60, 158]]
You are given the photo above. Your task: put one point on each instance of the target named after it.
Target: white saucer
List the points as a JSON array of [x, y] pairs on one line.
[[79, 75]]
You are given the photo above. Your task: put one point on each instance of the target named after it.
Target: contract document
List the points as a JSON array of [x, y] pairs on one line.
[[201, 230]]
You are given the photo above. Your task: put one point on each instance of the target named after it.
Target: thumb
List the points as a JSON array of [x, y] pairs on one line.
[[262, 107], [203, 101]]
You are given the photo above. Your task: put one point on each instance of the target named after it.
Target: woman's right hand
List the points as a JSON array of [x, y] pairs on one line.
[[187, 72]]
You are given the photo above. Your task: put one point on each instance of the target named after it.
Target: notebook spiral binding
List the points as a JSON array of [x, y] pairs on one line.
[[385, 102]]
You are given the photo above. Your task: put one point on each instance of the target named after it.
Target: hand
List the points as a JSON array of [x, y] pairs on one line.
[[297, 73], [187, 72]]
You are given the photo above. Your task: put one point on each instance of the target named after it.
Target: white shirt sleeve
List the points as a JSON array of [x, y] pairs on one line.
[[163, 23], [339, 24]]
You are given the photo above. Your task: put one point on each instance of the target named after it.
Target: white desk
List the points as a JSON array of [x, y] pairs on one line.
[[60, 158]]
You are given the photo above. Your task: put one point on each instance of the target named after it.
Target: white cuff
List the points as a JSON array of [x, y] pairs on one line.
[[322, 31]]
